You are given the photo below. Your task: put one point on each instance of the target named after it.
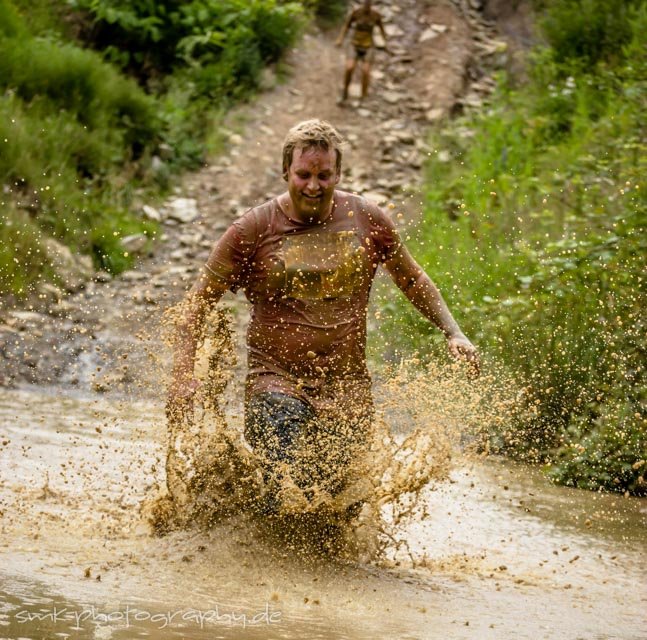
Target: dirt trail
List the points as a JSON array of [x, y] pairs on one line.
[[440, 56]]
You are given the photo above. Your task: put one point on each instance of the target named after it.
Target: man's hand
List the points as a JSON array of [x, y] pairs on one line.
[[338, 42], [462, 349], [179, 404]]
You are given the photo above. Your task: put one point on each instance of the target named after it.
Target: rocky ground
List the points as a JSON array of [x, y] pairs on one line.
[[104, 334]]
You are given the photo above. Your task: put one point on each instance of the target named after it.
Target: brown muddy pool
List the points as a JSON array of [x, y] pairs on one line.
[[502, 552]]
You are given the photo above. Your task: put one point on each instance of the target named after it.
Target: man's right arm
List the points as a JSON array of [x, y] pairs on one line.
[[220, 274], [345, 28], [205, 293]]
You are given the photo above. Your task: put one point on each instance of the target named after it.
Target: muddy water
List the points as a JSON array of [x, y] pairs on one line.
[[501, 554]]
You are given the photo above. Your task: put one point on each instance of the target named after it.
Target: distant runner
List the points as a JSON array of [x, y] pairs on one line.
[[306, 261], [363, 21]]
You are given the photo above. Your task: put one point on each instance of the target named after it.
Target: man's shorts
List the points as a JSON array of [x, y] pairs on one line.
[[361, 54], [273, 424], [317, 449]]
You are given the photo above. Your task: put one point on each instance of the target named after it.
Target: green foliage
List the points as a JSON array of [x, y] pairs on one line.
[[535, 231], [77, 136], [46, 19], [587, 31], [44, 153], [225, 43], [81, 84], [610, 454], [109, 226], [11, 26], [21, 252], [69, 124]]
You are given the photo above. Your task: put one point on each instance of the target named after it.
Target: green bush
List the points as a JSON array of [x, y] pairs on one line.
[[610, 454], [79, 82], [11, 26], [77, 136], [109, 226], [43, 18], [229, 39], [234, 72], [44, 153], [21, 252], [535, 231], [69, 124], [586, 32]]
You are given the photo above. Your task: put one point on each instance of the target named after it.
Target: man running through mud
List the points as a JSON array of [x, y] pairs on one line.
[[363, 21], [306, 261]]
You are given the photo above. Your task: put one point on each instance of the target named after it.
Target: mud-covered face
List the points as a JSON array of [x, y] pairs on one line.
[[312, 178]]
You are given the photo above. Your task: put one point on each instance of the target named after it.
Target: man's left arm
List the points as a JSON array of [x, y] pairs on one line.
[[380, 26], [419, 288]]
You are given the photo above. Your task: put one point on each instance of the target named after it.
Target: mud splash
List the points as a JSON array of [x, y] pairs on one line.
[[502, 553], [424, 417]]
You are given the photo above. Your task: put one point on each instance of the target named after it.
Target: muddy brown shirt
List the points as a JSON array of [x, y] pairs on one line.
[[364, 23], [309, 288]]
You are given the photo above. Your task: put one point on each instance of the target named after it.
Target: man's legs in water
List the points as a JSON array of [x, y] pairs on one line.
[[316, 451], [274, 427]]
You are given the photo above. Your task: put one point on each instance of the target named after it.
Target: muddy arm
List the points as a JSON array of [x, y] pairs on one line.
[[411, 279], [380, 25], [204, 294]]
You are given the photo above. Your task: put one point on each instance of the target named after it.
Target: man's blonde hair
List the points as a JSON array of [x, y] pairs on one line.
[[311, 133]]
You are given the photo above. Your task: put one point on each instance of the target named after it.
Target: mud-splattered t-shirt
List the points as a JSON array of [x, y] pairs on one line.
[[309, 288], [364, 23]]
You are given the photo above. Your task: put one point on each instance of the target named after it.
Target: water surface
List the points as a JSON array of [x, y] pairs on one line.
[[502, 552]]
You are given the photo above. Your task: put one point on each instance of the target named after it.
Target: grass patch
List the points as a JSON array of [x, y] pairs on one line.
[[534, 229], [103, 105]]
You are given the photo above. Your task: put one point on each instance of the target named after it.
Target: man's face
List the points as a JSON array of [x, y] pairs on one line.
[[312, 178]]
